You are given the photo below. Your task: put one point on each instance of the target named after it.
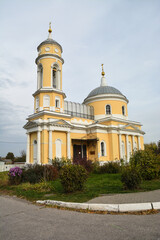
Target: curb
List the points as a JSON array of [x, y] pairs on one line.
[[129, 207]]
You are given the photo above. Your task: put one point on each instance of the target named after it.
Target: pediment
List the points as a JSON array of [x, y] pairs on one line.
[[130, 127], [30, 124], [61, 123]]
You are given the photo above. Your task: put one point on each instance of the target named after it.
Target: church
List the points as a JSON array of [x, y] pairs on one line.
[[97, 130]]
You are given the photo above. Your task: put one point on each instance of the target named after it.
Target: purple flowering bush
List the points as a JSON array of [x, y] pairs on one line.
[[15, 175]]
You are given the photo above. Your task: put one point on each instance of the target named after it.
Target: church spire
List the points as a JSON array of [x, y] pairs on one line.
[[50, 31], [103, 79]]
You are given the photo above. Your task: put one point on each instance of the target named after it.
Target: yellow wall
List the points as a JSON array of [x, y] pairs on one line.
[[63, 137], [52, 49], [47, 73], [116, 106]]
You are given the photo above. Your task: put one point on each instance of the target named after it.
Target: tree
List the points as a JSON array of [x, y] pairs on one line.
[[10, 155]]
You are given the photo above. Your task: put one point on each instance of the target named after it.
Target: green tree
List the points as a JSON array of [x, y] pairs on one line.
[[10, 155]]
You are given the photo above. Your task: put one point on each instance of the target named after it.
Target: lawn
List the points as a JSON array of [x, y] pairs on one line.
[[96, 185]]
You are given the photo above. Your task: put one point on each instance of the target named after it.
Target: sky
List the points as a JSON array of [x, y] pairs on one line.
[[124, 35]]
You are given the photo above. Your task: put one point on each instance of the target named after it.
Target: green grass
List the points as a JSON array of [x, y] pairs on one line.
[[96, 185]]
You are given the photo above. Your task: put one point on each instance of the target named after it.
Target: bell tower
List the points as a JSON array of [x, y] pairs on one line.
[[49, 95]]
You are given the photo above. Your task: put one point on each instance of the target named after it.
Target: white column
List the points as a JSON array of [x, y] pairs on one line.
[[58, 79], [127, 148], [133, 143], [28, 149], [38, 147], [68, 145], [139, 143], [50, 146], [120, 146]]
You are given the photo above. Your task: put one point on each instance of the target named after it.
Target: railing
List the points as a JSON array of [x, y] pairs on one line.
[[81, 115]]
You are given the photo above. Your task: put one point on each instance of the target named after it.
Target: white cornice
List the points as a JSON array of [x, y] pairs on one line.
[[45, 112], [105, 97]]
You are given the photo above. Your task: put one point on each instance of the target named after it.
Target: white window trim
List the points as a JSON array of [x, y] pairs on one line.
[[37, 103], [110, 109], [57, 98], [58, 78], [46, 99], [105, 151]]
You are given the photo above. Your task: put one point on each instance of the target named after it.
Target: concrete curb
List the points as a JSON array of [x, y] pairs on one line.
[[129, 207]]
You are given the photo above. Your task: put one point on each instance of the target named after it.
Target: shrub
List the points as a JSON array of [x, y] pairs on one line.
[[33, 173], [15, 175], [87, 164], [40, 187], [50, 173], [110, 167], [146, 162], [130, 178], [73, 177], [60, 162]]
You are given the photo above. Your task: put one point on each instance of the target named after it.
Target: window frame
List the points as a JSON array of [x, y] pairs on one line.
[[110, 109]]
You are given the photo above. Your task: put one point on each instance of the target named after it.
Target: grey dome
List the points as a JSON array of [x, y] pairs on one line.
[[49, 41], [104, 90]]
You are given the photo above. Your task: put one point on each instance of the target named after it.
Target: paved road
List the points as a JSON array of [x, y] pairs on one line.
[[140, 197], [20, 220]]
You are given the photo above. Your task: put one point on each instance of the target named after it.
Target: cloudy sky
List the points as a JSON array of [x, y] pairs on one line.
[[122, 34]]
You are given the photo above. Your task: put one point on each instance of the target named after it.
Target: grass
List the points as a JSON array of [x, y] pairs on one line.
[[96, 185]]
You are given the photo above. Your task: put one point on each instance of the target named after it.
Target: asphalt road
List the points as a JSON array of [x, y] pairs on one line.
[[21, 220]]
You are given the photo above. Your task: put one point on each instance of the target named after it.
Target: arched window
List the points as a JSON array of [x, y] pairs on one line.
[[46, 101], [55, 76], [58, 148], [108, 109], [103, 149], [123, 110], [40, 76], [37, 102]]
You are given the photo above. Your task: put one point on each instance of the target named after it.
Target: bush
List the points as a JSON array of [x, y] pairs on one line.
[[15, 175], [87, 164], [110, 167], [131, 178], [146, 162], [50, 173], [33, 173], [73, 177], [60, 162]]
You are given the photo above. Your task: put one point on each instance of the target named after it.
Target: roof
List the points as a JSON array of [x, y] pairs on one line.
[[49, 41], [104, 90]]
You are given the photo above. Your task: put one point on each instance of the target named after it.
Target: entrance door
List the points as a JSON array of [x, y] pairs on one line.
[[58, 149], [79, 152]]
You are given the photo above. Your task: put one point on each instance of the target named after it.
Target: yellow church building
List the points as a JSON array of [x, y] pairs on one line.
[[98, 129]]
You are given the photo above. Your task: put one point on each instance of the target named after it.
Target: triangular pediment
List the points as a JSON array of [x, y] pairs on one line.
[[61, 123], [130, 127], [30, 124]]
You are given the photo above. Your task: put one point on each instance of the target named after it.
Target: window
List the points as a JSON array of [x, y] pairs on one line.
[[108, 109], [103, 148], [46, 101], [40, 76], [35, 151], [57, 102], [123, 110], [54, 72], [37, 102], [58, 148]]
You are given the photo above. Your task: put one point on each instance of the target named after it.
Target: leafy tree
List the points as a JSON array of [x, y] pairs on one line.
[[10, 155]]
